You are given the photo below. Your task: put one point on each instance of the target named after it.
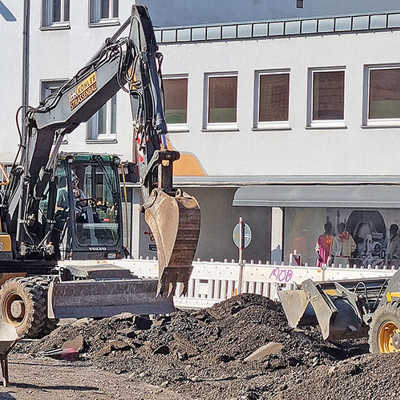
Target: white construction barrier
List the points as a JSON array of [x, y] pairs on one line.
[[212, 282]]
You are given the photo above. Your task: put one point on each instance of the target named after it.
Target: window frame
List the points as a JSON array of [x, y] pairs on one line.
[[107, 137], [179, 127], [324, 123], [96, 21], [57, 83], [219, 126], [269, 125], [376, 122], [47, 23]]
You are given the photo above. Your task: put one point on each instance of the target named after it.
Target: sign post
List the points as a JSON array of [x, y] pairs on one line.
[[241, 238]]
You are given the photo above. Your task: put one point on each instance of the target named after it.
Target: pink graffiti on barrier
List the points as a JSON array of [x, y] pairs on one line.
[[281, 275]]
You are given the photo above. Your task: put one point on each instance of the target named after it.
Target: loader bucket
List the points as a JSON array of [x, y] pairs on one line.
[[105, 298], [331, 306], [175, 224]]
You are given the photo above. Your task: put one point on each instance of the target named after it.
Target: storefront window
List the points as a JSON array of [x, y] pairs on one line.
[[344, 235]]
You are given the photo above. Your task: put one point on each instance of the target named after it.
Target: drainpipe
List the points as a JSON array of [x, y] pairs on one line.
[[25, 60]]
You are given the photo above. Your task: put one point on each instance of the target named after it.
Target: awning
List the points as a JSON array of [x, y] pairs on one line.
[[352, 196], [250, 180]]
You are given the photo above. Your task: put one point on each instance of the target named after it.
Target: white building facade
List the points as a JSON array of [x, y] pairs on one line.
[[290, 124]]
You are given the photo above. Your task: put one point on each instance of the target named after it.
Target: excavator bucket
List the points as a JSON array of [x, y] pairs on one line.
[[175, 224]]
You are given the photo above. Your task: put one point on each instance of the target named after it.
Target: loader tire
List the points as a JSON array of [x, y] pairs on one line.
[[23, 303], [384, 330]]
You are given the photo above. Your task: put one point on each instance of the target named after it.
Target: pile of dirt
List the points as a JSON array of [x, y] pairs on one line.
[[206, 348]]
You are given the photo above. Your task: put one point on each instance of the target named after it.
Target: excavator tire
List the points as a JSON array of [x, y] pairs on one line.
[[23, 303], [384, 330]]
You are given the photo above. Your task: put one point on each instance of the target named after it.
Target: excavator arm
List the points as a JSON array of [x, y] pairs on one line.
[[132, 64]]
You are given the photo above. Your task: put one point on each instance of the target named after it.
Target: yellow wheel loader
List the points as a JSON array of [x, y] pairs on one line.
[[349, 309], [68, 206]]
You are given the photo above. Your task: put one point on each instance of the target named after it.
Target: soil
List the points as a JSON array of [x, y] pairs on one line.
[[201, 354], [48, 379], [363, 377]]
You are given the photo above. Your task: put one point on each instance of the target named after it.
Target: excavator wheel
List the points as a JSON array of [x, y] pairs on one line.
[[23, 303], [384, 331]]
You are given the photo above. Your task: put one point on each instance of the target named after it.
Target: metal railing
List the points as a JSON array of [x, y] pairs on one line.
[[273, 29]]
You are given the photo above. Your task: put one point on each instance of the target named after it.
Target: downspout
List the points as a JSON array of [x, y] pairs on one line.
[[25, 60], [25, 93]]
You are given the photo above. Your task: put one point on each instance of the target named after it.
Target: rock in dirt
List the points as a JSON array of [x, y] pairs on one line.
[[113, 345], [77, 343], [128, 332], [163, 349], [80, 322], [125, 316], [263, 351], [142, 323]]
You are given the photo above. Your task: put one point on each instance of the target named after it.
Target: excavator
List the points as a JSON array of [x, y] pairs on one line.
[[56, 205]]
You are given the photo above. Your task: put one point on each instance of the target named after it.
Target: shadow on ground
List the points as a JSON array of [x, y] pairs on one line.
[[55, 387], [6, 396]]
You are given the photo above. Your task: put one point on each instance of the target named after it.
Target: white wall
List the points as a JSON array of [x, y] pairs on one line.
[[299, 150], [10, 78]]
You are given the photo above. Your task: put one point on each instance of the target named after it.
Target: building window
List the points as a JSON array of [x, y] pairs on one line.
[[175, 93], [383, 96], [55, 13], [272, 99], [103, 124], [103, 11], [326, 98], [48, 87], [221, 102]]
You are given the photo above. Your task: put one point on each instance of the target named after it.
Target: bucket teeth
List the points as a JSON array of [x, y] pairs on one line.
[[166, 289], [174, 282], [175, 224], [182, 289]]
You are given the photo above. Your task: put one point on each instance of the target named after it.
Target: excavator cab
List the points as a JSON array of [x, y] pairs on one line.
[[88, 217]]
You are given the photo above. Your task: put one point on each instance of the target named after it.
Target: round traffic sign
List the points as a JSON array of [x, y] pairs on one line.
[[236, 235]]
